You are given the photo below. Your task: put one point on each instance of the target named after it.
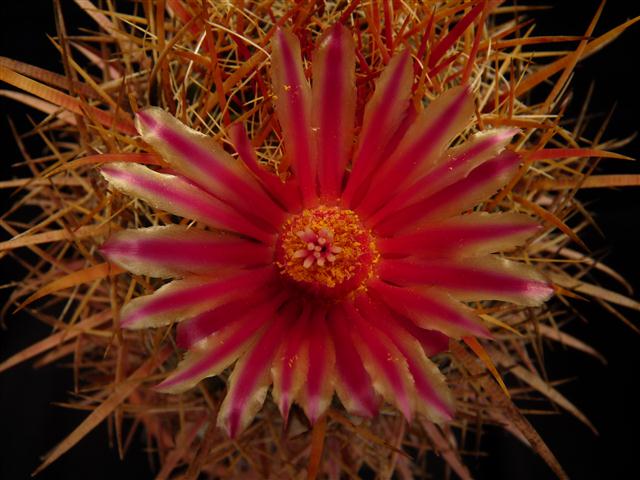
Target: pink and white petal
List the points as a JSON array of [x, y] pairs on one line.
[[462, 236], [333, 106], [410, 116], [284, 193], [479, 185], [353, 384], [201, 159], [194, 329], [291, 365], [421, 147], [431, 341], [176, 195], [210, 357], [429, 308], [384, 363], [293, 108], [182, 299], [318, 389], [434, 398], [455, 164], [382, 117], [170, 251], [250, 379], [216, 352], [479, 278]]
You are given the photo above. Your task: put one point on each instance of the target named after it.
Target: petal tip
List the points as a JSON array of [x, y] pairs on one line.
[[146, 121], [231, 423], [129, 319], [337, 31], [107, 248], [107, 171], [143, 116], [129, 324], [404, 55], [114, 170], [547, 291], [538, 292], [444, 416], [164, 387], [175, 383], [109, 252], [407, 413], [285, 409], [509, 132], [482, 331], [280, 36]]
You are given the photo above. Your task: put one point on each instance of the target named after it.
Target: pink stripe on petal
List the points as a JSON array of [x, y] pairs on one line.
[[194, 329], [212, 355], [455, 165], [291, 365], [293, 108], [175, 250], [479, 185], [408, 119], [421, 147], [250, 379], [184, 298], [203, 160], [383, 114], [480, 278], [319, 386], [284, 193], [191, 331], [432, 341], [430, 383], [178, 196], [333, 106], [353, 384], [469, 235], [430, 309], [386, 366]]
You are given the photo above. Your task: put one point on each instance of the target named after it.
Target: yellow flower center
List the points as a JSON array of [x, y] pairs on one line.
[[327, 249]]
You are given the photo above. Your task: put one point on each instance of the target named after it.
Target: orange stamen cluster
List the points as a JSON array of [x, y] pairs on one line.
[[326, 247]]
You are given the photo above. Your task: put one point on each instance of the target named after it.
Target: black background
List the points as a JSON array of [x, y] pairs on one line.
[[30, 424]]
